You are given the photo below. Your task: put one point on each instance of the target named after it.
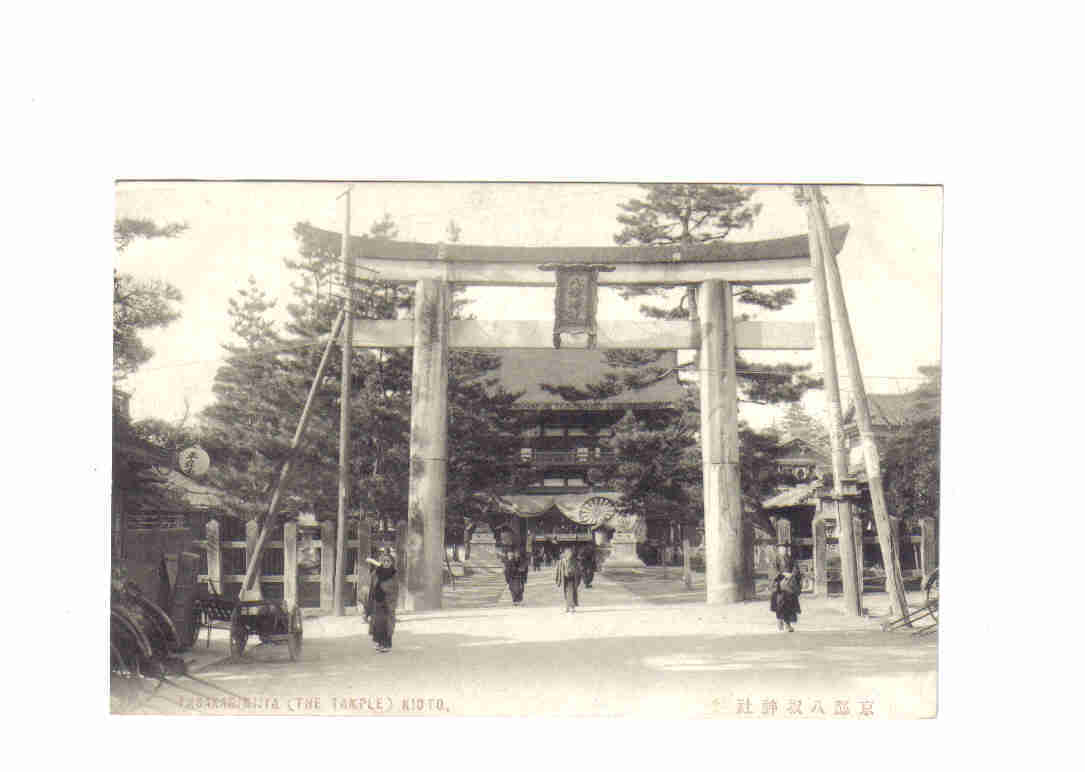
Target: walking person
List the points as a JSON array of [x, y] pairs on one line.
[[587, 565], [786, 587], [380, 605], [515, 575], [567, 577]]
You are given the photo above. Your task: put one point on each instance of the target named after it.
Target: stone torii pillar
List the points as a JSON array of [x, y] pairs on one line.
[[725, 565], [429, 446]]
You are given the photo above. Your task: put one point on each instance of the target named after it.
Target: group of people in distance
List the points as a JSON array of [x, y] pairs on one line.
[[572, 568]]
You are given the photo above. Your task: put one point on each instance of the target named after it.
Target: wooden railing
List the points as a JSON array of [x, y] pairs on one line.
[[225, 566], [565, 457]]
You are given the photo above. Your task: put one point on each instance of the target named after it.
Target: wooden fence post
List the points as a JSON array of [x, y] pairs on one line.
[[401, 559], [327, 565], [290, 564], [821, 577], [361, 568], [214, 556], [857, 534], [252, 533]]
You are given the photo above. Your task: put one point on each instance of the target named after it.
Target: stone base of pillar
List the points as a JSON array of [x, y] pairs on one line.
[[622, 555]]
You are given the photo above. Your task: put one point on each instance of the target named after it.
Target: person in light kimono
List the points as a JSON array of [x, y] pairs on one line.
[[567, 576]]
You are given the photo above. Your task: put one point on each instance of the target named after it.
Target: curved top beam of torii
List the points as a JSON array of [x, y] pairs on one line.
[[772, 261]]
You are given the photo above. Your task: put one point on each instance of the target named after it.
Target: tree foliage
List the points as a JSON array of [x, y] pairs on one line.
[[660, 460], [261, 389], [911, 465], [658, 467], [799, 424], [687, 214], [140, 305]]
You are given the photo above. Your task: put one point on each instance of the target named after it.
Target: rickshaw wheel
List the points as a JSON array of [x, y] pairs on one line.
[[239, 634], [932, 595], [293, 638]]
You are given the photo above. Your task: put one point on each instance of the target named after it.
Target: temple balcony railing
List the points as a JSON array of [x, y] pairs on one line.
[[583, 457]]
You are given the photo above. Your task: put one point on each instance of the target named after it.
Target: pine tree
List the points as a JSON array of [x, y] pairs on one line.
[[911, 464], [260, 396], [661, 467], [140, 305], [686, 214]]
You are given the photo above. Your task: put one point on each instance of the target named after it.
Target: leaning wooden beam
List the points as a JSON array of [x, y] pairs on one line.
[[853, 589], [284, 473], [894, 582], [472, 333]]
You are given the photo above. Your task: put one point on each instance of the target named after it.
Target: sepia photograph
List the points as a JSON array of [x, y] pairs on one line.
[[525, 449]]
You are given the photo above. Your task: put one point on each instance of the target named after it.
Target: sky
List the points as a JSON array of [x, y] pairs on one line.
[[890, 263]]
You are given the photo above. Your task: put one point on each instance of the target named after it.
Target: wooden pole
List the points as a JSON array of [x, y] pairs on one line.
[[251, 534], [214, 556], [344, 422], [846, 542], [429, 446], [284, 473], [887, 540], [327, 566], [725, 564], [290, 564]]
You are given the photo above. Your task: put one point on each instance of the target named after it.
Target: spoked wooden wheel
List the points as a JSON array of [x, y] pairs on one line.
[[239, 634], [293, 638], [932, 595]]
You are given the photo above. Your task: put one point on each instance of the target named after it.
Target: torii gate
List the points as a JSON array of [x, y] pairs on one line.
[[712, 267]]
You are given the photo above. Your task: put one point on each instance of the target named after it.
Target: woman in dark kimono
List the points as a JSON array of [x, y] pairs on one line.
[[380, 606], [516, 575], [786, 587], [567, 577], [587, 565]]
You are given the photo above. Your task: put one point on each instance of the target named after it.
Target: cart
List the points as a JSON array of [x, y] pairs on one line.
[[928, 611], [268, 619]]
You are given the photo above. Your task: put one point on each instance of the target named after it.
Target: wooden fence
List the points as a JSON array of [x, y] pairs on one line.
[[297, 565], [917, 542]]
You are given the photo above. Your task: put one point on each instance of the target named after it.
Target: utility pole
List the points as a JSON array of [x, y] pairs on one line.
[[824, 328], [886, 533], [344, 419]]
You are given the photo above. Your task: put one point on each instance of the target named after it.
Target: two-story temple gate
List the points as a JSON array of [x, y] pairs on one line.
[[713, 268]]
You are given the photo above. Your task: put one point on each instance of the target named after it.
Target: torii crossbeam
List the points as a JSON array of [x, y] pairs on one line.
[[712, 267]]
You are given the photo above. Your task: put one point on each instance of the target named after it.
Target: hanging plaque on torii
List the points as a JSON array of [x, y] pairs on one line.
[[576, 299]]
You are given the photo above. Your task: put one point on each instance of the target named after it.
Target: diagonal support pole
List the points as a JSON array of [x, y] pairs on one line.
[[284, 473]]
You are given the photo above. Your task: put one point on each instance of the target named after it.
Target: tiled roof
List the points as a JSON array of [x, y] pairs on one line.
[[794, 496], [523, 370]]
